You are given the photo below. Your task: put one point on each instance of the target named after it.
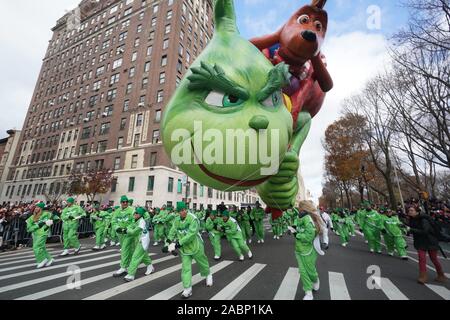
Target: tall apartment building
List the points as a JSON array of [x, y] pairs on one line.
[[8, 147], [110, 68]]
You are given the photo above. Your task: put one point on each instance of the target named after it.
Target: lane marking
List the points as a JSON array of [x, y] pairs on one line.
[[288, 288], [338, 287]]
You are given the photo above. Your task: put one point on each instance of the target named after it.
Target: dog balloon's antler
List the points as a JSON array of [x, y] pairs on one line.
[[319, 3]]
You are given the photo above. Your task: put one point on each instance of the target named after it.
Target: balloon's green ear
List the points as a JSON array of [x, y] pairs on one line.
[[225, 16]]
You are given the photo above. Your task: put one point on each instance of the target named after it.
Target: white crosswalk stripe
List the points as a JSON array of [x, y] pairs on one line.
[[391, 291], [233, 289], [178, 288], [288, 288], [32, 258], [60, 259], [441, 291], [24, 255], [338, 287], [83, 282]]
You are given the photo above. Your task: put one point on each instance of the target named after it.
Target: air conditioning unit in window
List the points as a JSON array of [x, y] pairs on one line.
[[141, 105], [86, 119], [51, 104], [66, 98], [72, 124], [104, 114]]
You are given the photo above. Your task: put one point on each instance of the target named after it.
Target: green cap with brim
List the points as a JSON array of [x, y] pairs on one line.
[[41, 205], [181, 206], [131, 201], [124, 199], [116, 207], [71, 200], [109, 210], [225, 214], [140, 211]]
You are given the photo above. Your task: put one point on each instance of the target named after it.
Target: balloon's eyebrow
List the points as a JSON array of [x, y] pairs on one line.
[[277, 79], [207, 77]]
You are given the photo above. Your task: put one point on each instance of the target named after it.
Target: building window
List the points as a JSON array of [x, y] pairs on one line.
[[160, 96], [144, 83], [114, 185], [179, 186], [137, 140], [158, 116], [104, 128], [123, 123], [139, 120], [116, 163], [101, 146], [164, 61], [131, 184], [156, 137], [134, 161], [151, 184], [162, 78], [153, 159], [170, 186], [120, 143], [126, 105]]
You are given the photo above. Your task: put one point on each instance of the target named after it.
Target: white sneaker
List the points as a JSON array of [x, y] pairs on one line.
[[119, 272], [77, 251], [371, 250], [241, 258], [150, 270], [156, 244], [309, 296], [249, 241], [209, 281], [366, 241], [42, 264], [64, 253], [344, 245], [259, 241], [275, 237], [112, 244], [316, 286], [262, 241], [129, 278], [391, 254], [118, 244], [187, 293], [250, 255], [96, 248], [216, 258], [103, 247], [48, 264]]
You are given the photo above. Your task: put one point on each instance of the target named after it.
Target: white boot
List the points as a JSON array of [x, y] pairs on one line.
[[316, 286], [119, 272], [259, 241], [129, 278], [42, 264], [118, 244], [150, 270], [262, 241], [241, 258], [209, 281], [344, 245], [156, 244], [48, 264], [309, 296], [274, 237], [187, 293], [65, 253], [250, 255], [249, 241], [112, 244]]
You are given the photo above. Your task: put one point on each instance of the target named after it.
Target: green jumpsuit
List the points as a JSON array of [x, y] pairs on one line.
[[372, 226], [257, 215], [122, 219], [304, 251], [40, 232], [394, 236], [215, 235], [159, 221], [70, 217], [344, 230], [234, 236], [138, 231], [168, 221], [186, 233], [244, 222], [100, 221]]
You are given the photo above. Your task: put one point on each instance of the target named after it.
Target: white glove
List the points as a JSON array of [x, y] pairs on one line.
[[171, 247], [49, 223], [78, 218], [292, 230]]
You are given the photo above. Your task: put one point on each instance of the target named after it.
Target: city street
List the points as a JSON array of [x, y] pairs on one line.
[[272, 274]]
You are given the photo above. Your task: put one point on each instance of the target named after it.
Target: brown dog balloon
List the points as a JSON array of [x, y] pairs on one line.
[[298, 43]]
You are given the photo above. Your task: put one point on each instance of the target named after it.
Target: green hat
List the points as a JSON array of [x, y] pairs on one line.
[[214, 213], [41, 205], [116, 207], [140, 211], [181, 206], [109, 210], [124, 199], [71, 200], [225, 213], [130, 201]]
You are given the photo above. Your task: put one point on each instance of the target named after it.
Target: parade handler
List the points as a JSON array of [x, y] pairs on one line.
[[39, 226], [159, 224], [234, 236], [138, 231], [99, 219], [393, 235], [257, 215], [372, 226], [184, 235], [122, 218], [215, 236], [307, 246], [244, 222], [71, 215]]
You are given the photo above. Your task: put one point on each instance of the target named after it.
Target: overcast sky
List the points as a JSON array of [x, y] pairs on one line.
[[355, 52]]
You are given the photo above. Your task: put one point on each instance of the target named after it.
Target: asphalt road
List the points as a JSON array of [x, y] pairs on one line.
[[345, 274]]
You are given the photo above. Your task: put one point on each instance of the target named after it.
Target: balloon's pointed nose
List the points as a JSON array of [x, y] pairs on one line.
[[259, 123]]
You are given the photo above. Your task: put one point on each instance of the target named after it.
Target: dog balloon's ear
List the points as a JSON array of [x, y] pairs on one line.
[[319, 3], [225, 16]]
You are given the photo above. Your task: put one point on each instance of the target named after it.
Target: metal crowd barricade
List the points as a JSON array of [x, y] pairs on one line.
[[85, 227], [56, 231]]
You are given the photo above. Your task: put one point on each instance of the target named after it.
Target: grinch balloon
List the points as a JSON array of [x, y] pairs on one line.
[[229, 126]]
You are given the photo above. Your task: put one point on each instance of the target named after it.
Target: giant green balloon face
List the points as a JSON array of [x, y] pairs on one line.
[[228, 118]]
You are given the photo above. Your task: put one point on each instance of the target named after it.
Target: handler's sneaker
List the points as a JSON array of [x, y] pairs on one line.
[[119, 273], [96, 248], [241, 258], [209, 281], [274, 237], [42, 264], [112, 244], [344, 245], [129, 278], [262, 241], [187, 293], [150, 270], [77, 251], [249, 241], [316, 286], [217, 258], [309, 296], [250, 255], [103, 247], [156, 244], [48, 264], [391, 254], [64, 253], [371, 250], [259, 241], [118, 244]]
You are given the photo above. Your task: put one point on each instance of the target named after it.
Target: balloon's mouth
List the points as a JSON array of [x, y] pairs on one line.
[[225, 180]]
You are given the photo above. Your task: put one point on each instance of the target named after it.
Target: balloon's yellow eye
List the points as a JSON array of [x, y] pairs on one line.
[[287, 102]]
